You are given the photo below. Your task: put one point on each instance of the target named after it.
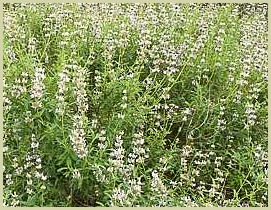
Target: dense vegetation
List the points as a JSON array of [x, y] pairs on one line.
[[135, 104]]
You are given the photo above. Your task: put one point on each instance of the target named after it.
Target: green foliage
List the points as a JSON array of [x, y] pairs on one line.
[[135, 104]]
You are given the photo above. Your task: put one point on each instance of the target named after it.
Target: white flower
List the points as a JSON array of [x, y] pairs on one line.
[[187, 111], [29, 191], [29, 181], [76, 174], [43, 187], [38, 166], [123, 106], [44, 178], [121, 116]]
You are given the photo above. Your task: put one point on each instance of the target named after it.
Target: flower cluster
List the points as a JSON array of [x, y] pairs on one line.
[[251, 114], [33, 168], [62, 88], [78, 136], [117, 154], [20, 86], [80, 89], [221, 122], [126, 195], [38, 88], [158, 187]]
